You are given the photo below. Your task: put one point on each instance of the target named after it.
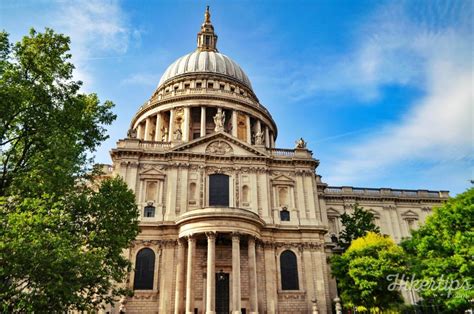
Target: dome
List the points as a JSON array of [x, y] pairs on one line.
[[206, 62]]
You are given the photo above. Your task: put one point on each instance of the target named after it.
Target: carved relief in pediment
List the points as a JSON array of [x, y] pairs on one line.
[[219, 148]]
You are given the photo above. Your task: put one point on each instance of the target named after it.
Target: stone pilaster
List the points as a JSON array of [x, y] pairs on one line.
[[253, 291], [270, 278], [179, 292], [166, 280]]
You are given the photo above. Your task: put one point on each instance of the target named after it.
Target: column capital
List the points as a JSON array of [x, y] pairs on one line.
[[251, 240], [236, 236], [211, 235], [191, 238]]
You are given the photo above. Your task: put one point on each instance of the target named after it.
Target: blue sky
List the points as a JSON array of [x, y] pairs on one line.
[[381, 90]]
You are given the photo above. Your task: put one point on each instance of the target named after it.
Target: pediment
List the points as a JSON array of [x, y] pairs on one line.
[[410, 214], [219, 144], [374, 212], [283, 180], [331, 212], [152, 172]]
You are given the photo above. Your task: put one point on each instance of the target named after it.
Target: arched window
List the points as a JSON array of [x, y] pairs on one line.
[[144, 270], [245, 194], [289, 271], [218, 190]]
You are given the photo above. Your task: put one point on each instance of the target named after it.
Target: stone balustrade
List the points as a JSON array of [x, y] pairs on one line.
[[384, 192]]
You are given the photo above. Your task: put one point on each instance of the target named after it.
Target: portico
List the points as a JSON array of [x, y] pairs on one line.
[[196, 227]]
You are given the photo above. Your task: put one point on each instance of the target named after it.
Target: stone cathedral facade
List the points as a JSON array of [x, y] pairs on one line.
[[229, 222]]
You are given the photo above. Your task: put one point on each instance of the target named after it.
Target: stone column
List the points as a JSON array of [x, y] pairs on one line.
[[147, 129], [259, 126], [203, 121], [253, 292], [140, 131], [178, 302], [267, 137], [249, 130], [187, 114], [158, 127], [171, 126], [234, 123], [189, 276], [211, 273], [236, 273], [272, 140]]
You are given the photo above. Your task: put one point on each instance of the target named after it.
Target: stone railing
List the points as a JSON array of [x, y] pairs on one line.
[[155, 145], [140, 144], [281, 152], [348, 190], [203, 90]]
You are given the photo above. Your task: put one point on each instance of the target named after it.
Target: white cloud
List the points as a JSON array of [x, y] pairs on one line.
[[427, 54], [98, 30]]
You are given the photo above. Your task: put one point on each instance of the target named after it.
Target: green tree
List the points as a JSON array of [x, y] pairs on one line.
[[362, 272], [61, 241], [441, 254], [356, 226]]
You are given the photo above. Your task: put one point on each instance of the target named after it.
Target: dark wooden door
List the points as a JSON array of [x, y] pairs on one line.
[[222, 293]]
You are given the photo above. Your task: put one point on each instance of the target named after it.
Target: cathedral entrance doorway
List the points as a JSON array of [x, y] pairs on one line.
[[222, 293]]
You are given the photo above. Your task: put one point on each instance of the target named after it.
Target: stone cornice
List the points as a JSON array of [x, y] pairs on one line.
[[138, 149]]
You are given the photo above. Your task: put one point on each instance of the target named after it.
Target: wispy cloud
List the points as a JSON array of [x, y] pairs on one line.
[[98, 30], [141, 79], [392, 48], [431, 52]]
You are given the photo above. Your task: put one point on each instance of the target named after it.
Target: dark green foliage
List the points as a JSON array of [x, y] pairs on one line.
[[61, 242], [47, 127], [356, 226], [442, 251]]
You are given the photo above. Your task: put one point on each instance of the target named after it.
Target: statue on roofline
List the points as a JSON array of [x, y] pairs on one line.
[[300, 144]]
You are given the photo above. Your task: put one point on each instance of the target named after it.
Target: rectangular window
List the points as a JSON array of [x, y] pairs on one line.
[[219, 190], [284, 215], [149, 211]]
